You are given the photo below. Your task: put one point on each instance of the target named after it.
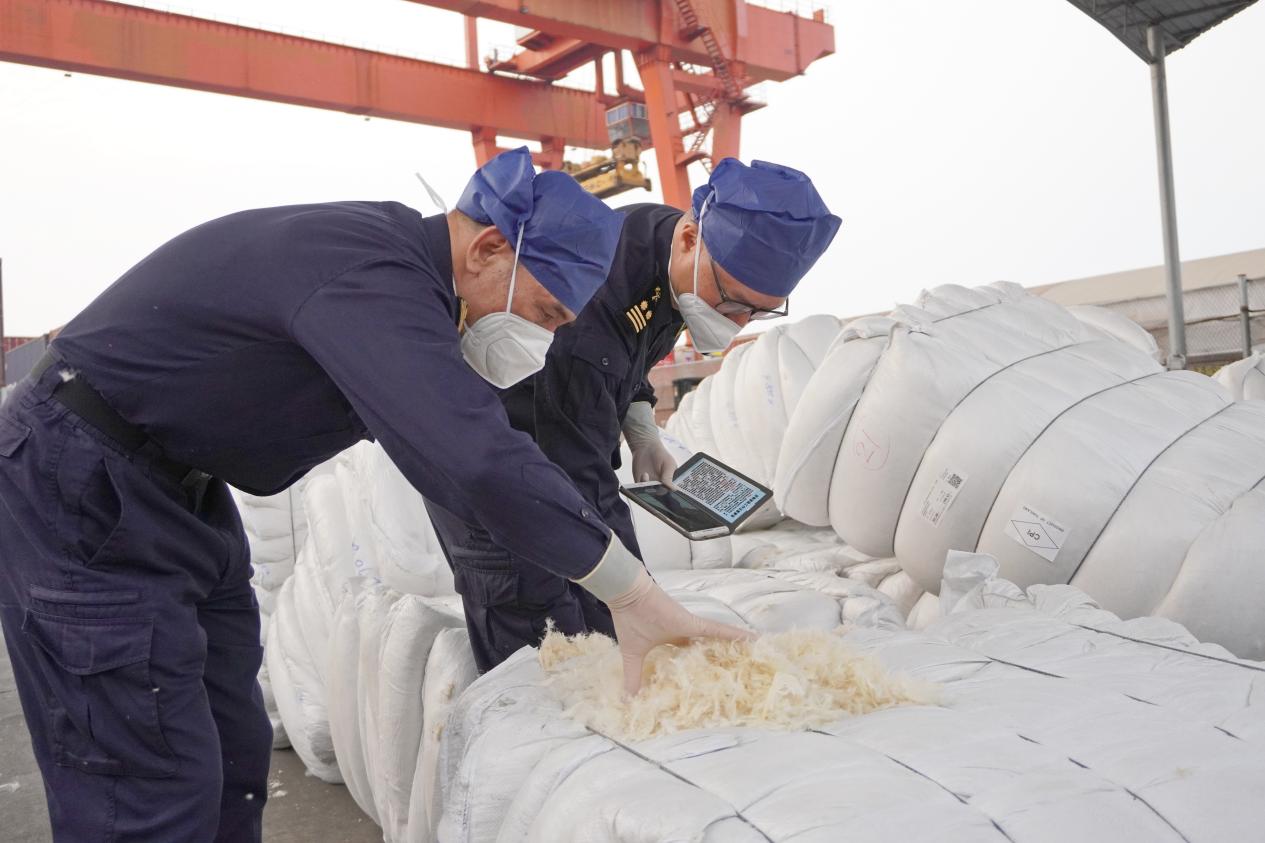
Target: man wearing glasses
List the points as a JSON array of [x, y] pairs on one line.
[[752, 234]]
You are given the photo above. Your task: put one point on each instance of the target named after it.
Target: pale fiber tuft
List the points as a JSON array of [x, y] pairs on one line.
[[788, 680]]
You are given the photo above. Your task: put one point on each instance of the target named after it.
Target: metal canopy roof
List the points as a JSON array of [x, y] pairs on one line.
[[1181, 20]]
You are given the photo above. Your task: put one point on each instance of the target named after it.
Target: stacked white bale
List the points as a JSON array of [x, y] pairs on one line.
[[991, 420], [1055, 715], [299, 637], [1245, 379], [1118, 325], [739, 415], [350, 646], [276, 528]]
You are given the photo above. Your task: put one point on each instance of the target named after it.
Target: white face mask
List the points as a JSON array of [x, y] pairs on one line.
[[710, 330], [504, 347]]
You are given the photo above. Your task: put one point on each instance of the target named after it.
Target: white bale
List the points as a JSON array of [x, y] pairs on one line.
[[330, 543], [411, 625], [973, 446], [931, 364], [279, 739], [373, 608], [760, 404], [815, 431], [1137, 559], [343, 704], [408, 553], [1118, 326], [298, 686], [1219, 592], [450, 669], [1081, 469], [1245, 379]]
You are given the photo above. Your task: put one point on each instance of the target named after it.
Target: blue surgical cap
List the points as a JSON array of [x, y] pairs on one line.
[[569, 235], [765, 224]]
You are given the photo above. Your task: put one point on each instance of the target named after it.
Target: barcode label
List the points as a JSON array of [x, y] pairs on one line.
[[942, 495]]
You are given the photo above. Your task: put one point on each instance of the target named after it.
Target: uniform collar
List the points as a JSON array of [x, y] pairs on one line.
[[663, 247], [435, 230], [435, 233]]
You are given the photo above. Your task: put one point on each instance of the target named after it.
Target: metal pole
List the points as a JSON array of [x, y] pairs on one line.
[[1245, 314], [1168, 202]]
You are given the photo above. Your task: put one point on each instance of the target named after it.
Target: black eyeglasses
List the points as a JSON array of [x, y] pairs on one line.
[[733, 307]]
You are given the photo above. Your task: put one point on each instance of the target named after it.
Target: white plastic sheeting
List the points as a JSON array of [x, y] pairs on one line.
[[1244, 378], [988, 419], [1060, 722]]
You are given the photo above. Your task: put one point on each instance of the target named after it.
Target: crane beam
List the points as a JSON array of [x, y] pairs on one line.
[[772, 45], [129, 42]]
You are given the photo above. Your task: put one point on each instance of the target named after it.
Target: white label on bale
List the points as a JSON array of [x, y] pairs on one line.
[[942, 495], [1043, 536]]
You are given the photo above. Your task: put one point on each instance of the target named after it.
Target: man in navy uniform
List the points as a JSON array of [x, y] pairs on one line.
[[752, 234], [248, 350]]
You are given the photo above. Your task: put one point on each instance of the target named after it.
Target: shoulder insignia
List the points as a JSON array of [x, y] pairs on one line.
[[639, 315]]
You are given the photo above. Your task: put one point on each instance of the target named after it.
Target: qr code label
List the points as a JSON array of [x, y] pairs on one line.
[[942, 495]]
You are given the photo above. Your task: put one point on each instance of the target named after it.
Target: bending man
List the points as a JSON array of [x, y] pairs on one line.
[[248, 350]]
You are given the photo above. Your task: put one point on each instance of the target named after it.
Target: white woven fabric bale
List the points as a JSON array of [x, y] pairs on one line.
[[933, 361], [1030, 681], [1084, 466], [297, 681], [678, 424], [1135, 561], [373, 608], [351, 475], [330, 542], [450, 669], [343, 704], [759, 403], [1218, 592], [971, 444], [726, 429], [1245, 379], [279, 738], [407, 551], [409, 632], [815, 431], [700, 418], [1118, 326], [998, 422]]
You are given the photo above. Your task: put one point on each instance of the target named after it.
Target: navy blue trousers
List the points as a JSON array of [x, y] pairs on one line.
[[507, 602], [134, 635]]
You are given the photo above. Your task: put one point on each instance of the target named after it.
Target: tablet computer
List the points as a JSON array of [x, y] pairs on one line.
[[709, 499]]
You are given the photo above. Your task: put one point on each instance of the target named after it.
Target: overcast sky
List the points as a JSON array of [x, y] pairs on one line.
[[960, 142]]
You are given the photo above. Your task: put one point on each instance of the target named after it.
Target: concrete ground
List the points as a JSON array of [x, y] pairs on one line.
[[301, 808]]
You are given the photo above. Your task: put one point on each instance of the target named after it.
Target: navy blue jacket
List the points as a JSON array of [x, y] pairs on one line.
[[598, 365], [260, 344]]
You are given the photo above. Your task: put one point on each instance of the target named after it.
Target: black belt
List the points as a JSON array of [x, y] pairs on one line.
[[78, 396]]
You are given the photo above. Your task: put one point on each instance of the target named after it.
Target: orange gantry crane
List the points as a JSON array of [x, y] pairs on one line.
[[697, 60]]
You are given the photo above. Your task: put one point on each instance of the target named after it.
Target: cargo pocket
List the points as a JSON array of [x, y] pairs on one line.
[[102, 706], [12, 434]]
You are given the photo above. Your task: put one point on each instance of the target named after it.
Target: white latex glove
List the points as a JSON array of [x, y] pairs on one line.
[[643, 613], [650, 459]]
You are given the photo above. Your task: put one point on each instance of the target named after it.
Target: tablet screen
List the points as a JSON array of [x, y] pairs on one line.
[[728, 494], [690, 515]]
